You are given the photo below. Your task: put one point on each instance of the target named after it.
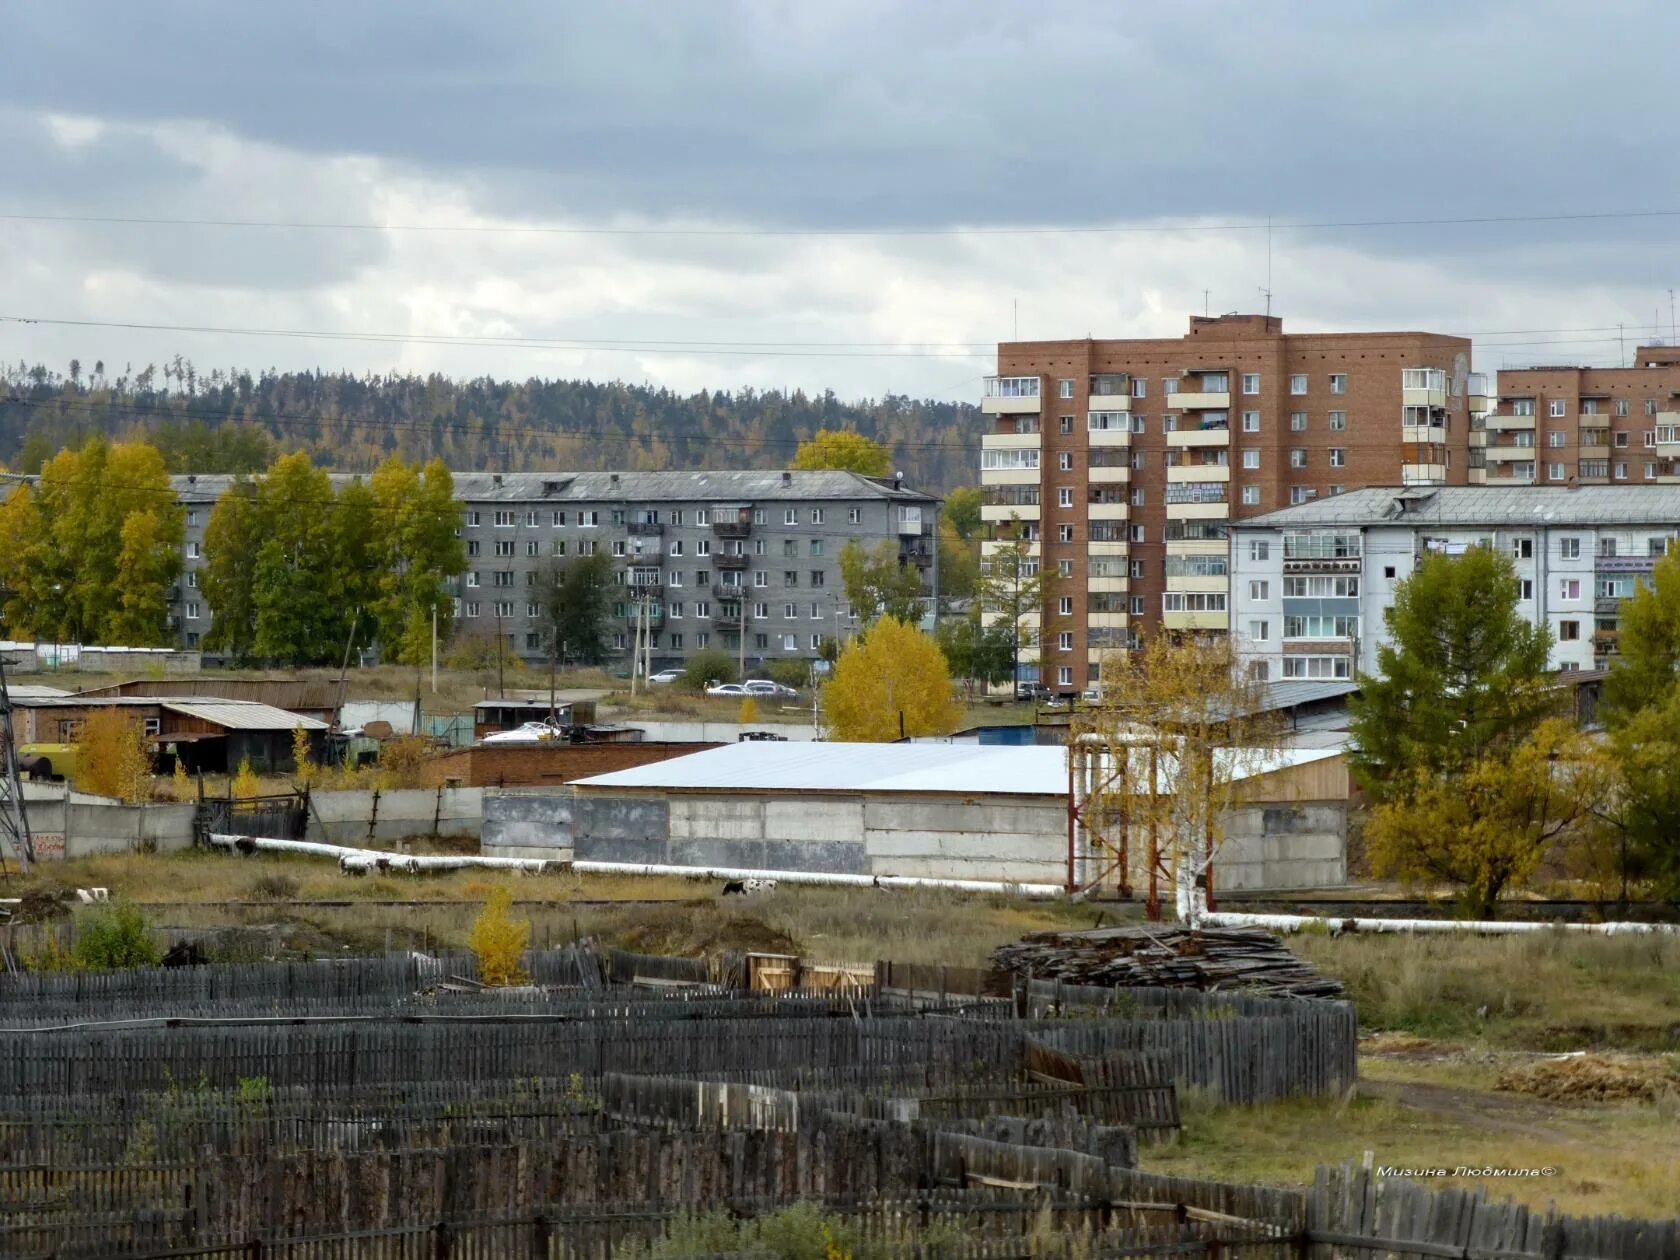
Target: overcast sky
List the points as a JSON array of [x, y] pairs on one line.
[[787, 142]]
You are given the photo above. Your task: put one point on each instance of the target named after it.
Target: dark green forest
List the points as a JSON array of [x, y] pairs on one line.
[[234, 421]]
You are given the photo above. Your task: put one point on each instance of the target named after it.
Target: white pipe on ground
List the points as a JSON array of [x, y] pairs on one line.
[[363, 860], [1296, 922], [817, 877]]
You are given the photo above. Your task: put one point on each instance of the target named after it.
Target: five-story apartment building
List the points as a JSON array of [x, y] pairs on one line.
[[1125, 462]]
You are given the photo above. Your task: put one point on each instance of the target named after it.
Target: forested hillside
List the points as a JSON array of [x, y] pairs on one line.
[[224, 421]]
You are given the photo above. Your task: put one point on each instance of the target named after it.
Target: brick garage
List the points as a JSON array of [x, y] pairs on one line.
[[545, 765]]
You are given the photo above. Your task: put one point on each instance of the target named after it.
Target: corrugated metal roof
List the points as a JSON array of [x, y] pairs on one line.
[[242, 715], [708, 486], [971, 769], [29, 691], [1510, 506], [1288, 694]]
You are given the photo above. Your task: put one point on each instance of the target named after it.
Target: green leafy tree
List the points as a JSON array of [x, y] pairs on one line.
[[1463, 673], [419, 553], [976, 651], [962, 510], [959, 564], [228, 578], [846, 450], [576, 598], [707, 666], [879, 584], [1013, 587], [1647, 662]]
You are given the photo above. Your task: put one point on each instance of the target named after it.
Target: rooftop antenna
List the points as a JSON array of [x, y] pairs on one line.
[[1268, 288], [1672, 340], [1015, 305], [1204, 303], [1621, 348]]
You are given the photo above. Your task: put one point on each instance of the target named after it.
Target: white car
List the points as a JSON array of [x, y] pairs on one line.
[[727, 689], [765, 687], [665, 676], [529, 733]]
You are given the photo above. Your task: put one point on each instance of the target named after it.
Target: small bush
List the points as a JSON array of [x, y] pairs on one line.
[[275, 888], [790, 672], [707, 667], [749, 711], [245, 782], [499, 940], [114, 938]]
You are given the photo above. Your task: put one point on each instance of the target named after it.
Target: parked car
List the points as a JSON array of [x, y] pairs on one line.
[[1030, 691], [727, 689], [529, 733], [665, 676], [765, 687]]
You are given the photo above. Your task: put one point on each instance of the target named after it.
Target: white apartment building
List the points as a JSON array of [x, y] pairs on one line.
[[1310, 584]]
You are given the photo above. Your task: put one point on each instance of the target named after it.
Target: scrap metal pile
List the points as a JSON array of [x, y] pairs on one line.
[[1166, 957]]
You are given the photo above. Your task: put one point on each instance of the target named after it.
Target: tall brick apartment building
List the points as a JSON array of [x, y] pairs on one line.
[[1125, 461], [1584, 426]]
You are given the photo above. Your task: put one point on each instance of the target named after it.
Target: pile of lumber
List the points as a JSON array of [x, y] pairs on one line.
[[1166, 957]]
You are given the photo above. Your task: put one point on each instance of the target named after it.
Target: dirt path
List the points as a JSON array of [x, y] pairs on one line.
[[1504, 1112]]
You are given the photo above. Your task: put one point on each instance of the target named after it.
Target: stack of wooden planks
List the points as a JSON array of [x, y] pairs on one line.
[[1166, 957]]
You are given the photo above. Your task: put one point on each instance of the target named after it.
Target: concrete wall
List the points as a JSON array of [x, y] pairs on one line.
[[535, 823], [74, 829], [1283, 845], [355, 818]]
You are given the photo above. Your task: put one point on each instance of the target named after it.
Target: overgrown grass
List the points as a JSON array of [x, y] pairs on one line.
[[1611, 1159], [1543, 990]]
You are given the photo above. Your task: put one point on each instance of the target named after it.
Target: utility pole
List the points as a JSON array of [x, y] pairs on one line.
[[501, 680], [14, 820], [434, 648]]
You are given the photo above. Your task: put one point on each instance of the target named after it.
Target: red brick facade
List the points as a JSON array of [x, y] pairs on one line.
[[545, 765]]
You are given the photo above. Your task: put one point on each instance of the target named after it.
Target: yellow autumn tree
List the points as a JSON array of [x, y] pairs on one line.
[[1486, 829], [245, 782], [748, 713], [846, 450], [499, 940], [891, 682], [113, 757]]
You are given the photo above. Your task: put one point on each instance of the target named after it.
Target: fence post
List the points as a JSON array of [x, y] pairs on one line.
[[540, 1232], [254, 1248], [373, 815], [440, 1241]]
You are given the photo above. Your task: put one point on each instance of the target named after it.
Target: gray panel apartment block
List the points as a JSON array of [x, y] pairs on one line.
[[708, 555]]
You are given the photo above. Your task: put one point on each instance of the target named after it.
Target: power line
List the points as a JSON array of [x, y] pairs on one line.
[[973, 230]]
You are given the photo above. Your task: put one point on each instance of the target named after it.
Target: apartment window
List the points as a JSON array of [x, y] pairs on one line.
[[760, 517], [1251, 459], [1650, 471], [1554, 408], [1064, 533], [1620, 472], [618, 547], [1137, 461], [504, 546], [1064, 389], [1569, 548], [703, 639], [556, 519], [617, 517], [1064, 606], [1169, 386], [192, 579], [1297, 457], [676, 642], [1556, 437], [1650, 406], [1317, 667], [472, 546], [1259, 591], [589, 520], [761, 577], [1137, 568], [1067, 424], [533, 547], [1251, 422], [1607, 548], [817, 578], [816, 546], [816, 516], [703, 610], [1137, 496], [1621, 407], [1138, 423], [1525, 588], [192, 612], [677, 547], [761, 612], [472, 577], [790, 547], [790, 516], [472, 609], [531, 519], [1338, 421], [1064, 641], [1555, 472], [472, 519], [1657, 546], [1064, 675], [1064, 496], [703, 547], [1298, 383], [1064, 568], [533, 610], [1139, 533], [1522, 549], [1337, 489], [816, 611], [1338, 457], [1260, 630], [1140, 387], [505, 520], [1250, 495], [1338, 382], [1135, 605], [854, 516], [504, 577], [1064, 461], [790, 577], [674, 611], [1169, 424], [1569, 588], [1569, 631], [192, 551], [1301, 494], [1650, 438], [1297, 421], [1522, 407], [1251, 382]]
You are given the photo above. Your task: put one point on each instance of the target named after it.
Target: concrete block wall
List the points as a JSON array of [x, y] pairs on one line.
[[535, 824], [74, 829], [345, 817], [1283, 846], [1021, 839]]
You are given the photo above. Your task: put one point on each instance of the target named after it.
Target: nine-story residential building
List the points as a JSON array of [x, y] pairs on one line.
[[1125, 462]]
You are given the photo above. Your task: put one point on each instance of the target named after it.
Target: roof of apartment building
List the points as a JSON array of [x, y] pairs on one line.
[[1481, 505], [703, 485]]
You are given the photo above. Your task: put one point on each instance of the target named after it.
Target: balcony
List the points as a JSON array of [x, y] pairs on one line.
[[727, 621], [1110, 620], [1504, 420], [1199, 511], [734, 594], [1108, 474], [1200, 400], [1198, 437], [1605, 642], [1423, 474], [1668, 435], [1110, 436], [1011, 396], [1510, 454], [1011, 441], [1114, 389], [998, 513], [645, 529], [1195, 620], [727, 561], [738, 527], [991, 546], [1198, 472], [1423, 387], [1107, 511], [1107, 583], [918, 553], [1202, 583]]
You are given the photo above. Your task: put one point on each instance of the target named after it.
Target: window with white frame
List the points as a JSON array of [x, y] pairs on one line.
[[817, 516], [1298, 383], [854, 516], [1064, 389], [1064, 675], [1556, 472], [1251, 422], [1259, 590], [1338, 421], [1250, 495], [1064, 605], [1569, 588], [1064, 533], [1297, 421], [1299, 666], [1338, 457], [1569, 548], [1064, 641], [1251, 382], [1302, 494], [1064, 496], [1140, 387], [1297, 457], [1064, 461], [1259, 630], [1338, 382], [1251, 459], [1555, 408]]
